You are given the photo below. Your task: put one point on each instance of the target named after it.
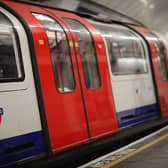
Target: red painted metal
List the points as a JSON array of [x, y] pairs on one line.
[[162, 86], [64, 112], [99, 102]]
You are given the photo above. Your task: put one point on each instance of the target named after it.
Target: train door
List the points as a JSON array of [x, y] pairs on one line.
[[93, 75], [130, 73], [21, 134], [67, 122]]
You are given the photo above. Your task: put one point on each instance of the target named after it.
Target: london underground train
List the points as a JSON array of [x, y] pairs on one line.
[[70, 84]]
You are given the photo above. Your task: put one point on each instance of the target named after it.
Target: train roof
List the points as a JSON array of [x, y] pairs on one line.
[[85, 8]]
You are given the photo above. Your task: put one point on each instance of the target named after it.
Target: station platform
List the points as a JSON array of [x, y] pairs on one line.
[[150, 151]]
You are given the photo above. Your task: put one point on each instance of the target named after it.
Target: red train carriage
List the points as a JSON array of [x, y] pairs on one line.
[[70, 84]]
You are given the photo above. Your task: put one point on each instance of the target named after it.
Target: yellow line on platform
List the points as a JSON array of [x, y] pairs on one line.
[[135, 152]]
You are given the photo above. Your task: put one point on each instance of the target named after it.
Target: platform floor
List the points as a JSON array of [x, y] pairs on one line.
[[150, 151], [155, 156]]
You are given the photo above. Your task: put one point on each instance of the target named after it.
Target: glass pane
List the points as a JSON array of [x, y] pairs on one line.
[[162, 60], [125, 50], [87, 54], [9, 59], [59, 50]]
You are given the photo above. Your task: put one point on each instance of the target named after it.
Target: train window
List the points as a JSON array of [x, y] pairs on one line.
[[87, 54], [125, 50], [10, 63], [60, 55], [162, 60]]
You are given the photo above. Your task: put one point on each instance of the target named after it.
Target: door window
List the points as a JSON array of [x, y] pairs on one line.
[[60, 54], [87, 54]]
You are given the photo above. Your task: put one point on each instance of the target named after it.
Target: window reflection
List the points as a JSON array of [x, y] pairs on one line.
[[87, 54], [9, 57], [162, 60], [125, 50]]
